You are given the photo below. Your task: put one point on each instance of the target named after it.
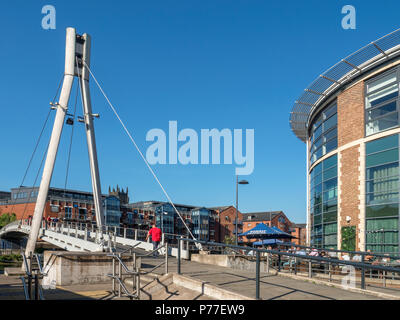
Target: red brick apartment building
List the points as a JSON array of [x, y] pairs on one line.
[[70, 204], [299, 231], [225, 223], [272, 218]]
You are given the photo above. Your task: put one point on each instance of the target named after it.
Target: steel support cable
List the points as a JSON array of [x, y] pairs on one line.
[[35, 149], [140, 152]]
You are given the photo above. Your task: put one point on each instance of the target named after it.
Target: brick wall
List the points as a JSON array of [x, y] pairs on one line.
[[225, 226], [351, 127], [351, 114], [23, 211], [350, 188]]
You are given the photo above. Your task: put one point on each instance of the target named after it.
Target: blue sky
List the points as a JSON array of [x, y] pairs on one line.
[[206, 64]]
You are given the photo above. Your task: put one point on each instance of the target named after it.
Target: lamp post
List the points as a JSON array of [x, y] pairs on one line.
[[236, 220]]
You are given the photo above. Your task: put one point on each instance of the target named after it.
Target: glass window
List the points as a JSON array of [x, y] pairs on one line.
[[382, 82], [382, 195], [386, 143], [381, 111], [382, 124], [324, 133], [330, 123], [382, 157], [381, 103], [324, 199]]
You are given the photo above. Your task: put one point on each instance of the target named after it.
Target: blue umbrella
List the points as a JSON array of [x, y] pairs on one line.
[[262, 231], [284, 234]]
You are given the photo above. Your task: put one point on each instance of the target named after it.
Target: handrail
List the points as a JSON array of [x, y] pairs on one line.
[[341, 251], [151, 270], [30, 275], [39, 265], [151, 252], [115, 255], [136, 272], [130, 249], [306, 257], [131, 295], [27, 269], [25, 288]]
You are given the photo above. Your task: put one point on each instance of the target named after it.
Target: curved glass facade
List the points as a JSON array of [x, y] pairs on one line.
[[323, 203], [323, 133], [382, 195]]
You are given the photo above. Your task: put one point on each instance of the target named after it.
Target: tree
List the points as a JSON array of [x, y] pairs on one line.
[[7, 218], [229, 240]]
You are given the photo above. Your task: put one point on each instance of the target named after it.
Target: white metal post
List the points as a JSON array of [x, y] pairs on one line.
[[62, 108], [91, 141]]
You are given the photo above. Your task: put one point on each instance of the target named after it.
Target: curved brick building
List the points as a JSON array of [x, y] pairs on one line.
[[349, 120]]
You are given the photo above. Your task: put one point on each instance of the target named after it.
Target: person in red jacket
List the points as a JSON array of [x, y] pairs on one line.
[[155, 234]]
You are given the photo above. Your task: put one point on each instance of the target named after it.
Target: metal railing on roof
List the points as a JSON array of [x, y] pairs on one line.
[[342, 72]]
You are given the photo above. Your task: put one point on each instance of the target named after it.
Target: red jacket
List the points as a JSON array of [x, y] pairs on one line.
[[155, 234]]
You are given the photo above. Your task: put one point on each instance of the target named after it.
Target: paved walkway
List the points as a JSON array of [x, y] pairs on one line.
[[272, 287]]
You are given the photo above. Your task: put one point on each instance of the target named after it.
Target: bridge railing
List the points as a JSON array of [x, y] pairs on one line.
[[89, 232], [347, 273], [111, 235]]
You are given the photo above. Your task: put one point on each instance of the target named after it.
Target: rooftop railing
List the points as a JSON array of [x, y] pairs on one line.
[[341, 73]]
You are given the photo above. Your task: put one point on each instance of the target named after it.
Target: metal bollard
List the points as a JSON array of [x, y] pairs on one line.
[[179, 257], [166, 258], [138, 283], [36, 286], [113, 279], [279, 263], [257, 275], [362, 272], [119, 275], [135, 278], [310, 269], [267, 263], [125, 233], [330, 272], [384, 278]]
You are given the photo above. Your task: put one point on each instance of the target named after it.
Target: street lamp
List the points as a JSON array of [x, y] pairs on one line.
[[236, 221]]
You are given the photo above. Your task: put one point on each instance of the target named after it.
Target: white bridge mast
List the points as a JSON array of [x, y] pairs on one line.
[[77, 54]]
